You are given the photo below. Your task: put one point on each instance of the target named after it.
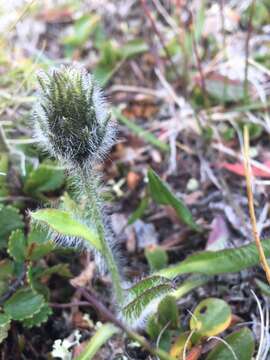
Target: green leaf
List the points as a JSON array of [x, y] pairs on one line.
[[168, 312], [10, 220], [224, 89], [38, 318], [43, 179], [4, 191], [63, 223], [218, 262], [138, 213], [59, 269], [211, 317], [140, 132], [144, 298], [134, 47], [34, 275], [238, 345], [23, 304], [157, 258], [265, 288], [6, 269], [103, 334], [4, 326], [146, 284], [38, 244], [83, 28], [192, 282], [161, 193], [17, 245], [181, 343]]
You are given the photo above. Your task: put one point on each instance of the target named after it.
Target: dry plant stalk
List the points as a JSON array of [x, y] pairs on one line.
[[248, 175]]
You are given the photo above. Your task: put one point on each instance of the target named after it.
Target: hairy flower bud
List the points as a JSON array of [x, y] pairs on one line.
[[71, 120]]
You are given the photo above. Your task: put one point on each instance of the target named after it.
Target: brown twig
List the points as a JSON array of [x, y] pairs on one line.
[[102, 309], [248, 175], [157, 32], [252, 8]]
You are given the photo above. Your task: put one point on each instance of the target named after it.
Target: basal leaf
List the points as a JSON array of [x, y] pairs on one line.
[[38, 318], [238, 345], [145, 302], [39, 244], [45, 178], [182, 341], [3, 174], [103, 334], [157, 258], [168, 312], [17, 245], [218, 262], [64, 224], [10, 220], [140, 132], [211, 317], [146, 284], [4, 326], [133, 48], [23, 304], [161, 193]]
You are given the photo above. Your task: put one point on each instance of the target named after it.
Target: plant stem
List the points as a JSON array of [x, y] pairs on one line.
[[90, 183], [256, 236], [4, 147], [132, 334]]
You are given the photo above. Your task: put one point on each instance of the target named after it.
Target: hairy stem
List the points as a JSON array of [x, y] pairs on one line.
[[91, 185]]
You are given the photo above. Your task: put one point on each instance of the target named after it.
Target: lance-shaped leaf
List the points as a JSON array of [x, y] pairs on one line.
[[103, 334], [144, 297], [161, 193], [218, 262], [238, 345], [64, 224]]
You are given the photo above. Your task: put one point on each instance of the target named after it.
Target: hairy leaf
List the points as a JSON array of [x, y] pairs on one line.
[[145, 303], [146, 284], [63, 223], [161, 193], [218, 262]]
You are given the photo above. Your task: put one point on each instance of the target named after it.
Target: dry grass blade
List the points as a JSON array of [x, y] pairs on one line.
[[251, 204]]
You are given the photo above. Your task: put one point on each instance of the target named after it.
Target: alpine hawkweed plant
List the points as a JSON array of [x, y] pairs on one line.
[[71, 121]]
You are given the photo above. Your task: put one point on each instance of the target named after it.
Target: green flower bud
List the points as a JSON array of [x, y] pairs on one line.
[[71, 120]]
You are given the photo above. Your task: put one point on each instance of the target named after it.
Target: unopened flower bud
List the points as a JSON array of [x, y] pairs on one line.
[[71, 120]]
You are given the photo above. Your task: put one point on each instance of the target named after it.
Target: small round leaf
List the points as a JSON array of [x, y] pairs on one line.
[[23, 304], [211, 317]]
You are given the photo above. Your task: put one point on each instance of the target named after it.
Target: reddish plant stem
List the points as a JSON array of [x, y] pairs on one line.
[[252, 8], [158, 34]]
